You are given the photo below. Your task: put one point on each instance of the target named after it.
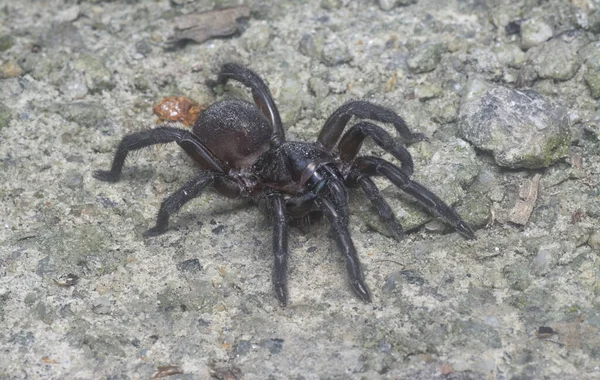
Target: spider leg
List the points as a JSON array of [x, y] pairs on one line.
[[334, 126], [280, 246], [335, 208], [352, 140], [376, 166], [175, 201], [383, 208], [339, 226], [260, 92], [160, 135]]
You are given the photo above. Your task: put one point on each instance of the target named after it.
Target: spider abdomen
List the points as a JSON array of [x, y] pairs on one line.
[[235, 131]]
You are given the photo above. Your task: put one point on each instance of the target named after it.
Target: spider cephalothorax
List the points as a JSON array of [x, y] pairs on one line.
[[242, 152]]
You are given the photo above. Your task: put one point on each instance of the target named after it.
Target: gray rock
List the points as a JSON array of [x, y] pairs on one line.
[[335, 52], [387, 5], [318, 87], [143, 47], [534, 32], [311, 45], [590, 55], [594, 241], [331, 4], [97, 77], [427, 91], [425, 58], [63, 35], [191, 266], [292, 101], [520, 128], [555, 59], [73, 85], [6, 42], [486, 62], [517, 276], [480, 332], [546, 258], [87, 114], [475, 209], [257, 36]]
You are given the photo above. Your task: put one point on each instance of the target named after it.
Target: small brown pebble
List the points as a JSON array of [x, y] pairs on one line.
[[178, 108], [10, 69]]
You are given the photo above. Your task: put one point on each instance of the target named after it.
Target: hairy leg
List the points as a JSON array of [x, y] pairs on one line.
[[376, 166], [276, 206], [352, 141], [383, 208], [175, 201], [334, 126], [160, 135], [334, 205]]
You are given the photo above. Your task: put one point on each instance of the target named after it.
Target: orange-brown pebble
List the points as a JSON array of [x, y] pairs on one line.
[[178, 108]]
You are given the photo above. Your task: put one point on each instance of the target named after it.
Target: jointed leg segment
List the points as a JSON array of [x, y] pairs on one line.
[[334, 126], [339, 227], [383, 208], [175, 201], [353, 139], [376, 166], [280, 247], [160, 135]]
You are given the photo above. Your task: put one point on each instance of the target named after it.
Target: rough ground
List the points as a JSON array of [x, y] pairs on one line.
[[83, 295]]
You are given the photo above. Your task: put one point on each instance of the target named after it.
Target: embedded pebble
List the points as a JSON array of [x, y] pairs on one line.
[[590, 54], [520, 128], [534, 32], [6, 42], [425, 58], [87, 114], [97, 76], [191, 265], [594, 241], [387, 5], [10, 69], [257, 37], [335, 52], [427, 91], [555, 59], [517, 275]]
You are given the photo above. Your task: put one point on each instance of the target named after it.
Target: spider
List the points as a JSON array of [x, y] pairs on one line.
[[242, 152]]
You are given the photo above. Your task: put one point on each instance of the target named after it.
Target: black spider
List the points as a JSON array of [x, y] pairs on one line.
[[242, 151]]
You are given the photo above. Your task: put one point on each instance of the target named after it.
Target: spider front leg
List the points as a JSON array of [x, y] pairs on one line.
[[334, 126], [376, 166], [276, 206], [161, 135], [339, 227], [192, 189], [335, 208], [260, 92]]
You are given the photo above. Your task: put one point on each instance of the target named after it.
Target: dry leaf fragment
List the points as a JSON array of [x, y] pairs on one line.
[[178, 108], [201, 26], [529, 192], [168, 370]]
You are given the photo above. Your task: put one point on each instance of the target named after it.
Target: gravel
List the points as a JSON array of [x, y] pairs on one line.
[[502, 91]]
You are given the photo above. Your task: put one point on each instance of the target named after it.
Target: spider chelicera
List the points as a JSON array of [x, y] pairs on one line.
[[242, 152]]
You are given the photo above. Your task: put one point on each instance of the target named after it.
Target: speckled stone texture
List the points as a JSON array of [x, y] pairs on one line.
[[84, 296]]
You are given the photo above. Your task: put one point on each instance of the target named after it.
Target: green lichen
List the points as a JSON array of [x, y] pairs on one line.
[[555, 148]]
